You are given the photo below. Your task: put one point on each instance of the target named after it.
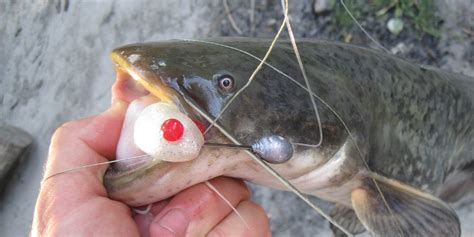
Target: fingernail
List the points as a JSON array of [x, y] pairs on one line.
[[175, 221]]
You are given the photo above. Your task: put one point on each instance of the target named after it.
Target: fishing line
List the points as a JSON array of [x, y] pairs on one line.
[[285, 182], [97, 164], [268, 65], [257, 159], [303, 72], [214, 189], [362, 28], [252, 77], [283, 74], [365, 163], [346, 127], [266, 166], [231, 18], [344, 124]]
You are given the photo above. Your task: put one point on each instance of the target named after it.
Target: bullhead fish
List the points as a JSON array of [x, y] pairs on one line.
[[397, 138]]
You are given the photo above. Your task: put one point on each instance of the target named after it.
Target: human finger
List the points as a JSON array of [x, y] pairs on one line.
[[145, 215], [70, 197], [256, 222], [196, 210], [86, 141]]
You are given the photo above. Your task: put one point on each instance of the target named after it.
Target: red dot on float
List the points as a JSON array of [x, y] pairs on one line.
[[172, 129], [200, 125]]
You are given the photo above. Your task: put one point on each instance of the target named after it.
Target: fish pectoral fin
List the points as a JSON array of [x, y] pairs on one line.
[[458, 184], [347, 218], [410, 212]]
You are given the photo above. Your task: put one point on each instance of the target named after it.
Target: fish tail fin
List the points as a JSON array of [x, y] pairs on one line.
[[401, 210]]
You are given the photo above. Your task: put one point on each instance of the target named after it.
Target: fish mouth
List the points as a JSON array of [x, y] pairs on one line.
[[137, 79], [144, 76], [155, 82]]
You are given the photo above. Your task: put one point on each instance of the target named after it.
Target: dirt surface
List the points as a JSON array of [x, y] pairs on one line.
[[55, 67]]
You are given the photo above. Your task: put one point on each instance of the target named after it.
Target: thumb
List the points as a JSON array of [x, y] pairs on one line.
[[86, 141], [102, 132]]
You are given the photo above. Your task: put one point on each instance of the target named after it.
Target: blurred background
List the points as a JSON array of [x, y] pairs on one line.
[[54, 67]]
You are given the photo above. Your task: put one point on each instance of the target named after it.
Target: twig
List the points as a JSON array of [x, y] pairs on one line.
[[231, 19], [252, 17], [363, 29]]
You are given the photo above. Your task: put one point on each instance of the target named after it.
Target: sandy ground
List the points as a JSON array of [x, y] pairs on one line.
[[55, 67]]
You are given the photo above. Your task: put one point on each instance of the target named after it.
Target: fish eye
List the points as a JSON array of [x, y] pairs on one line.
[[226, 82]]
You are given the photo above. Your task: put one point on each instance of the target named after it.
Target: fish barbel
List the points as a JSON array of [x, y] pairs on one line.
[[389, 126]]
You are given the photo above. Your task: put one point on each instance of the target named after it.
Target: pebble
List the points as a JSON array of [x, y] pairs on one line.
[[323, 6], [395, 25]]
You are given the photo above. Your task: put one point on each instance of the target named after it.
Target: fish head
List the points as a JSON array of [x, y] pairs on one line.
[[211, 77], [170, 70]]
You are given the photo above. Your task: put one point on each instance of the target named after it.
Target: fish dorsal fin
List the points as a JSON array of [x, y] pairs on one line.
[[411, 212], [347, 218]]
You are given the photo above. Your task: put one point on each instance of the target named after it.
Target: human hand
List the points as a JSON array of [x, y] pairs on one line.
[[76, 203]]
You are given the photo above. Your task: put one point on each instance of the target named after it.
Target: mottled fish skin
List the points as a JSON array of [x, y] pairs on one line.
[[420, 120], [412, 123], [415, 122]]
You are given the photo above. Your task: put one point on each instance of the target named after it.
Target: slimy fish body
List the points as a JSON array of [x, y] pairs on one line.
[[398, 138]]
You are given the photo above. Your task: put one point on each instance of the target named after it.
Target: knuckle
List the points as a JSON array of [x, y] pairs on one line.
[[58, 134], [210, 195], [257, 209], [260, 227], [241, 185], [63, 130]]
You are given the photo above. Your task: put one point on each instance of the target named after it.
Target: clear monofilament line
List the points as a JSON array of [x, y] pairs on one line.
[[97, 164], [308, 89], [214, 189], [303, 72], [362, 28], [326, 104], [271, 67], [267, 167], [350, 134], [254, 73]]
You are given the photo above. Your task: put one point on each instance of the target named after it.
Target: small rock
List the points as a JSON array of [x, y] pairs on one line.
[[14, 144], [271, 22], [401, 49], [323, 6], [347, 38], [395, 25]]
